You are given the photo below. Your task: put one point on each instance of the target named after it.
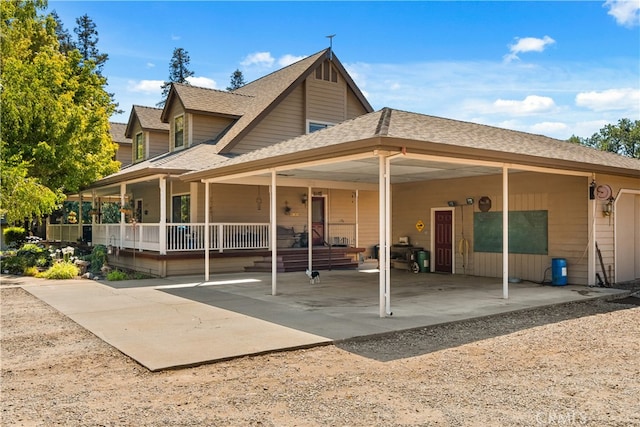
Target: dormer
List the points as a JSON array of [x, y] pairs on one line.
[[149, 135], [123, 153]]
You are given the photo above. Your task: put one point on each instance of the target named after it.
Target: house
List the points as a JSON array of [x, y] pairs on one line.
[[302, 150], [123, 153]]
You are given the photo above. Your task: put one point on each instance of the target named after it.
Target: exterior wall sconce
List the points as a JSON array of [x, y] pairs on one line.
[[287, 208], [607, 208], [304, 199], [452, 203], [469, 200]]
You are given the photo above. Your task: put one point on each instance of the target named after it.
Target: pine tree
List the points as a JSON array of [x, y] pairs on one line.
[[88, 41], [179, 72], [64, 38], [237, 80]]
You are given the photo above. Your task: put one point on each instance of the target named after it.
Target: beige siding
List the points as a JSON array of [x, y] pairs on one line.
[[284, 122], [326, 101], [605, 225], [206, 128], [158, 143], [563, 197], [354, 107], [124, 154], [135, 129], [368, 220]]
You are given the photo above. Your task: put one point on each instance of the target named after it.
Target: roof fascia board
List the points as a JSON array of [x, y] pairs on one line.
[[351, 83], [209, 113], [132, 115]]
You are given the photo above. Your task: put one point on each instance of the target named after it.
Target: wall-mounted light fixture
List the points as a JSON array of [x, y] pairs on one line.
[[469, 200], [607, 208], [304, 199], [452, 203], [287, 208]]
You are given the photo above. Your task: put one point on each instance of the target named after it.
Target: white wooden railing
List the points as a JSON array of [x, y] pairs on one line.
[[341, 234], [180, 237]]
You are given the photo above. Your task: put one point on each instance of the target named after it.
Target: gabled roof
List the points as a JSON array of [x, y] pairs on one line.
[[149, 119], [205, 100], [117, 131], [390, 129], [253, 101]]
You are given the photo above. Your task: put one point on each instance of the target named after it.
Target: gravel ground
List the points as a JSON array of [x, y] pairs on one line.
[[572, 364]]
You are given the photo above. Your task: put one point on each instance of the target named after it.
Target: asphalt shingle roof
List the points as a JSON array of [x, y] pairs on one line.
[[117, 131]]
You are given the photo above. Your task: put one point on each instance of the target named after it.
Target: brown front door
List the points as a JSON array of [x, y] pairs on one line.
[[443, 243], [317, 221]]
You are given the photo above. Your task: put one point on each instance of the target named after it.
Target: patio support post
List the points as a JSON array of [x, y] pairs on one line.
[[505, 232], [123, 190], [357, 242], [387, 216], [93, 207], [591, 269], [274, 234], [309, 225], [383, 253], [206, 231], [80, 223], [162, 238]]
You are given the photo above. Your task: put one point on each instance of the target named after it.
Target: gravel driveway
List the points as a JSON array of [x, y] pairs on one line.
[[572, 364]]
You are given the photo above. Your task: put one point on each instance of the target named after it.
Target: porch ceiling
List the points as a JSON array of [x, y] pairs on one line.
[[403, 170]]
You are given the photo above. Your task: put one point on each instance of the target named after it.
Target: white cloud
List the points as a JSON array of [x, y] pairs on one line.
[[527, 44], [202, 82], [625, 12], [259, 58], [145, 86], [150, 65], [549, 128], [175, 37], [530, 105], [612, 99], [289, 59]]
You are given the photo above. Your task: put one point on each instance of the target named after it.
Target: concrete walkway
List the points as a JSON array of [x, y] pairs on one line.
[[182, 321]]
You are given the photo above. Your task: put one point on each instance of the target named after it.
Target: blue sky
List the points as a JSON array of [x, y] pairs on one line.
[[553, 68]]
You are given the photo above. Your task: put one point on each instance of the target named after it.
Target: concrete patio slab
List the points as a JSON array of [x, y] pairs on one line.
[[184, 321]]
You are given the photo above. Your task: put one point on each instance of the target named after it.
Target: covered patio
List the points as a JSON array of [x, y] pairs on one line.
[[185, 321]]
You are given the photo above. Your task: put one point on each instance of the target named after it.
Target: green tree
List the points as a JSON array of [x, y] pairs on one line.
[[54, 133], [65, 41], [237, 80], [623, 138], [178, 72], [87, 42]]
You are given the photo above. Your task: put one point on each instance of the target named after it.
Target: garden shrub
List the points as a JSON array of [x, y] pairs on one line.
[[61, 270], [97, 258], [13, 264], [14, 236], [116, 275], [31, 271], [33, 255]]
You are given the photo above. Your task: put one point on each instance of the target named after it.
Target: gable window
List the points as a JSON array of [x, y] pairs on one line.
[[181, 208], [326, 71], [139, 146], [314, 126], [178, 132]]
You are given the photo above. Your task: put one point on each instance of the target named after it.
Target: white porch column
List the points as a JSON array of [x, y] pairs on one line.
[[383, 253], [591, 269], [80, 223], [357, 243], [93, 208], [309, 225], [162, 238], [206, 231], [505, 232], [123, 190], [274, 234]]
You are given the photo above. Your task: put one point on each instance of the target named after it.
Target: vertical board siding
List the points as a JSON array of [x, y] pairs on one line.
[[206, 128], [562, 196], [284, 122]]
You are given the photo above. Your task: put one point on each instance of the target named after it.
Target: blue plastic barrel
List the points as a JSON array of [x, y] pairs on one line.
[[558, 271]]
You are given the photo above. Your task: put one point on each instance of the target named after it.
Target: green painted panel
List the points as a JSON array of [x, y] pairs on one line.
[[528, 232]]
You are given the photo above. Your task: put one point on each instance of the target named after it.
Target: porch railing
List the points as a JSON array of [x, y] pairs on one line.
[[341, 234], [180, 237]]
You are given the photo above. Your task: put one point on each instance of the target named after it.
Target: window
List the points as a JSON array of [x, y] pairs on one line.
[[181, 208], [139, 148], [327, 72], [178, 132], [314, 126]]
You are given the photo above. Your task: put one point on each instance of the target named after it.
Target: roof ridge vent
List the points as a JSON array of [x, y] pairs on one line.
[[383, 124]]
